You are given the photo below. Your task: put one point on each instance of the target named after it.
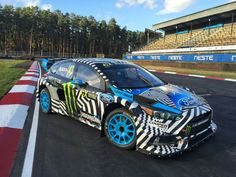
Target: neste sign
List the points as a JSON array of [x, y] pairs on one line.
[[186, 57]]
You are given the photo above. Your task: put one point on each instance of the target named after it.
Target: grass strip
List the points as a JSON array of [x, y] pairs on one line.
[[10, 72]]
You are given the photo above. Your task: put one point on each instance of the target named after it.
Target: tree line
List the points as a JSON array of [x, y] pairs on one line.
[[42, 32]]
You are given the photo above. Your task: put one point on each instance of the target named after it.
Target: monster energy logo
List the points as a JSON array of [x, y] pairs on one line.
[[69, 91], [188, 130]]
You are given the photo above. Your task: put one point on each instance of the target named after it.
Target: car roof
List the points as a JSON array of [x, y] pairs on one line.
[[102, 60]]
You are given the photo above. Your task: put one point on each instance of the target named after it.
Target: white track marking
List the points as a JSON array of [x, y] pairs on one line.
[[169, 72], [194, 75], [152, 70], [29, 156], [232, 80]]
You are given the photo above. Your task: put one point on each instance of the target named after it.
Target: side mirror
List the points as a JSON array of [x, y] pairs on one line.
[[79, 82]]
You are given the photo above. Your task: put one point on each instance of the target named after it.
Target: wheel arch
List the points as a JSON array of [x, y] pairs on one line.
[[112, 107], [107, 110], [41, 87]]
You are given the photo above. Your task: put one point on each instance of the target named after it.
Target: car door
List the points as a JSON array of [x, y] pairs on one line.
[[60, 77], [87, 98]]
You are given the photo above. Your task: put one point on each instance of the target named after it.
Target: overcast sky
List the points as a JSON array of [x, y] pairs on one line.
[[134, 14]]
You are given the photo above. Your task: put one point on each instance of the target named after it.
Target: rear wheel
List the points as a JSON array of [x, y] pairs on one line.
[[45, 101], [120, 129]]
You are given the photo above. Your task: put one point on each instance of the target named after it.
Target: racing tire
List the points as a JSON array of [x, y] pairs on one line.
[[120, 129], [45, 101]]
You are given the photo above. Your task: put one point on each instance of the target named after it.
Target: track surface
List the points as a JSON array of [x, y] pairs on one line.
[[66, 147]]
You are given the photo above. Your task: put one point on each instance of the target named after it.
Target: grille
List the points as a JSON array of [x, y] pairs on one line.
[[197, 139], [200, 123]]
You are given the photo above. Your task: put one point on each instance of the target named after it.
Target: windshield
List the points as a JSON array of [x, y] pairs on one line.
[[130, 76]]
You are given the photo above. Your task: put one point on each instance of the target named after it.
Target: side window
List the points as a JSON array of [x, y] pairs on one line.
[[54, 68], [88, 75], [132, 73], [66, 70]]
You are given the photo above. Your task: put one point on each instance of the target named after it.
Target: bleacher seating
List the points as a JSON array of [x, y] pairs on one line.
[[225, 35]]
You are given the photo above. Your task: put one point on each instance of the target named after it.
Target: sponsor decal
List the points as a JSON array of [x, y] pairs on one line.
[[53, 79], [155, 57], [63, 69], [107, 65], [187, 130], [187, 101], [90, 117], [87, 94], [84, 93], [106, 98], [157, 124], [70, 71], [69, 92], [176, 58], [92, 96], [187, 57], [204, 57], [140, 57]]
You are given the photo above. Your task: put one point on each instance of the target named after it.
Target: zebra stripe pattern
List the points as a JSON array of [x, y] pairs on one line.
[[144, 129], [159, 96], [145, 132]]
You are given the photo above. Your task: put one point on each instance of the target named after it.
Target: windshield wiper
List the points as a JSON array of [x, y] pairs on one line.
[[144, 79]]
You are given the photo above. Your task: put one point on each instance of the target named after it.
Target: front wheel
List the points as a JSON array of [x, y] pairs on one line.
[[45, 101], [120, 129]]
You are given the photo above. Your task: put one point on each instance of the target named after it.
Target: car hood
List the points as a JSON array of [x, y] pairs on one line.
[[170, 95]]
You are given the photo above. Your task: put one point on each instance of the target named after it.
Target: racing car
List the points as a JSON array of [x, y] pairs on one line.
[[131, 106]]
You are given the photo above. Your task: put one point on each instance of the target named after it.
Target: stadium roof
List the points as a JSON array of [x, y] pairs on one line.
[[222, 9]]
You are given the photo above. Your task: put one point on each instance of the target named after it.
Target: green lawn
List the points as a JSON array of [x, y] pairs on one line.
[[222, 74], [10, 72]]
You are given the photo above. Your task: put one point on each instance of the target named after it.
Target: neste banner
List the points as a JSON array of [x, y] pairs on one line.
[[186, 57]]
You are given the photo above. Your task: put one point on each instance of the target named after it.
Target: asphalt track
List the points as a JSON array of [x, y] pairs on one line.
[[67, 148]]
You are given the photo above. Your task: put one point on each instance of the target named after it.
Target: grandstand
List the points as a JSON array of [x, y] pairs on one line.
[[211, 30]]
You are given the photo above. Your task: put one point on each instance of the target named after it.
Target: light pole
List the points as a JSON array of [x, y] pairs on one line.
[[176, 33], [209, 27], [148, 40]]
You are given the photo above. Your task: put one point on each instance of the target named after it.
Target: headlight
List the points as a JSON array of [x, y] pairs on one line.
[[162, 114], [166, 115]]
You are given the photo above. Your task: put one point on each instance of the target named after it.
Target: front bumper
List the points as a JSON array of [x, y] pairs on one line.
[[166, 141], [169, 149]]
